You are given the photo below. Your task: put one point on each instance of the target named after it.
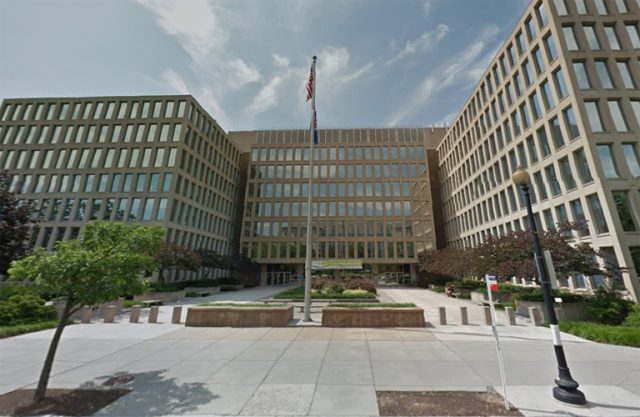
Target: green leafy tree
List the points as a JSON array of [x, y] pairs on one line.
[[104, 264], [172, 256], [17, 224]]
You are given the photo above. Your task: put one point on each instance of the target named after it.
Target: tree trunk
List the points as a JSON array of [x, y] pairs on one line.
[[53, 347]]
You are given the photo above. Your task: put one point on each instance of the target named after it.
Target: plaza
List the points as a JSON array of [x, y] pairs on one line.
[[319, 371]]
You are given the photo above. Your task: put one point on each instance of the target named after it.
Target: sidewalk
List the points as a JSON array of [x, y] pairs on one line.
[[318, 371]]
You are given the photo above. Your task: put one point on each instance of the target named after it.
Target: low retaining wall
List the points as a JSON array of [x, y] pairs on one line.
[[206, 316], [479, 297], [572, 311], [373, 317], [167, 297]]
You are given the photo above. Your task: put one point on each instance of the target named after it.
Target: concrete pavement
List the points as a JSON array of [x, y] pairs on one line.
[[318, 371]]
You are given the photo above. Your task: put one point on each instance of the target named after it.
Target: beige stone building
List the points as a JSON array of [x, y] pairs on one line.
[[372, 199], [561, 98], [158, 159]]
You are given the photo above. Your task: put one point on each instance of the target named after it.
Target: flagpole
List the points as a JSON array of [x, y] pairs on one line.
[[307, 263]]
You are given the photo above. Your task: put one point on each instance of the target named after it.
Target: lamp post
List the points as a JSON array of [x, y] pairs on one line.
[[566, 389]]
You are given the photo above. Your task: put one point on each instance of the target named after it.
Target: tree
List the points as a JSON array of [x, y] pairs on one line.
[[172, 256], [87, 272], [17, 224], [512, 254], [211, 260], [451, 262]]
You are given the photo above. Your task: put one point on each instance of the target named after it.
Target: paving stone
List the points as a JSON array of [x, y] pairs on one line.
[[294, 372], [344, 400], [280, 400], [241, 372], [346, 373]]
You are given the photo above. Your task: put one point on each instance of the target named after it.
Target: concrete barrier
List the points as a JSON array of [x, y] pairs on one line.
[[559, 313], [464, 315], [443, 315], [534, 315], [176, 315], [86, 315], [109, 313], [487, 315], [153, 314], [373, 317], [511, 316], [135, 314]]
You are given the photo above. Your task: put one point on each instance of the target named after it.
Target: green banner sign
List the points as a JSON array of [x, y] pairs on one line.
[[337, 264]]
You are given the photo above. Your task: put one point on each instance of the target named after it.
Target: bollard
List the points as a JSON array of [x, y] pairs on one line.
[[109, 313], [464, 316], [534, 315], [153, 314], [511, 316], [443, 315], [135, 314], [559, 313], [487, 316], [86, 315], [177, 315]]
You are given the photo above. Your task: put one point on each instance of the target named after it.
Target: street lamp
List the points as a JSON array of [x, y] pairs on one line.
[[567, 388]]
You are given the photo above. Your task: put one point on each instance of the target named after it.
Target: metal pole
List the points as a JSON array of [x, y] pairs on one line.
[[494, 323], [307, 263], [567, 388]]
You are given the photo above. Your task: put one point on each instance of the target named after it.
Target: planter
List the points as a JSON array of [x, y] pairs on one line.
[[372, 317], [167, 297], [572, 311], [206, 316], [208, 290]]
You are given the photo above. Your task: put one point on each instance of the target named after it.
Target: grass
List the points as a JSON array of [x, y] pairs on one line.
[[298, 294], [373, 305], [8, 331], [603, 333], [242, 305], [130, 303]]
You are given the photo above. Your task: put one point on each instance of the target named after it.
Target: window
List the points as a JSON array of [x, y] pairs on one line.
[[632, 31], [547, 95], [592, 39], [621, 200], [535, 106], [542, 189], [135, 208], [631, 157], [597, 214], [578, 216], [608, 163], [601, 8], [571, 123], [552, 179], [612, 37], [581, 75], [593, 114], [533, 153], [543, 141], [561, 85], [570, 38], [148, 209], [581, 6], [625, 74], [528, 73], [162, 208], [622, 6], [583, 166], [567, 176], [561, 7], [603, 74], [635, 105], [531, 29], [617, 115], [538, 60], [520, 43], [552, 54], [542, 15], [556, 133]]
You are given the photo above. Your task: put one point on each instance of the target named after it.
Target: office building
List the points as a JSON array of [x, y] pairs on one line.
[[560, 98]]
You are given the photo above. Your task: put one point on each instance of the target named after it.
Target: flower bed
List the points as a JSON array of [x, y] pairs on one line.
[[297, 294], [239, 315], [372, 315]]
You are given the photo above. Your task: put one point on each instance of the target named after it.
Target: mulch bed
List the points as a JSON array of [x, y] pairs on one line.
[[68, 402], [442, 403]]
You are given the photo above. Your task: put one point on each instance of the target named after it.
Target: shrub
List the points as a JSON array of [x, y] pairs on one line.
[[607, 307], [633, 318], [467, 284], [356, 292], [327, 286], [361, 284], [615, 335], [25, 308], [6, 291], [156, 286], [536, 294], [229, 288], [191, 294]]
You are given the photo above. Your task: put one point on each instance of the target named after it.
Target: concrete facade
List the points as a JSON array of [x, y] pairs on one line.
[[561, 98]]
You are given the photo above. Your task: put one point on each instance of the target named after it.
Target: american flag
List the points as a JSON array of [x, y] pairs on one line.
[[310, 82]]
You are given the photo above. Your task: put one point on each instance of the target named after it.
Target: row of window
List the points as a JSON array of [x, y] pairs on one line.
[[395, 229], [89, 158], [583, 7], [53, 134], [185, 214], [278, 172], [617, 111], [330, 250], [94, 110], [332, 189], [357, 153], [329, 209], [93, 183], [591, 36], [82, 209], [589, 70]]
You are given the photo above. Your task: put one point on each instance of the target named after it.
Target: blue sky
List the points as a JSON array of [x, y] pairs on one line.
[[380, 63]]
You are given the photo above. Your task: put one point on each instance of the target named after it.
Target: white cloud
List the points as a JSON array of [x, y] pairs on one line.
[[280, 61], [333, 72], [426, 41], [208, 99], [461, 69], [242, 73], [175, 81], [427, 6], [268, 96]]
